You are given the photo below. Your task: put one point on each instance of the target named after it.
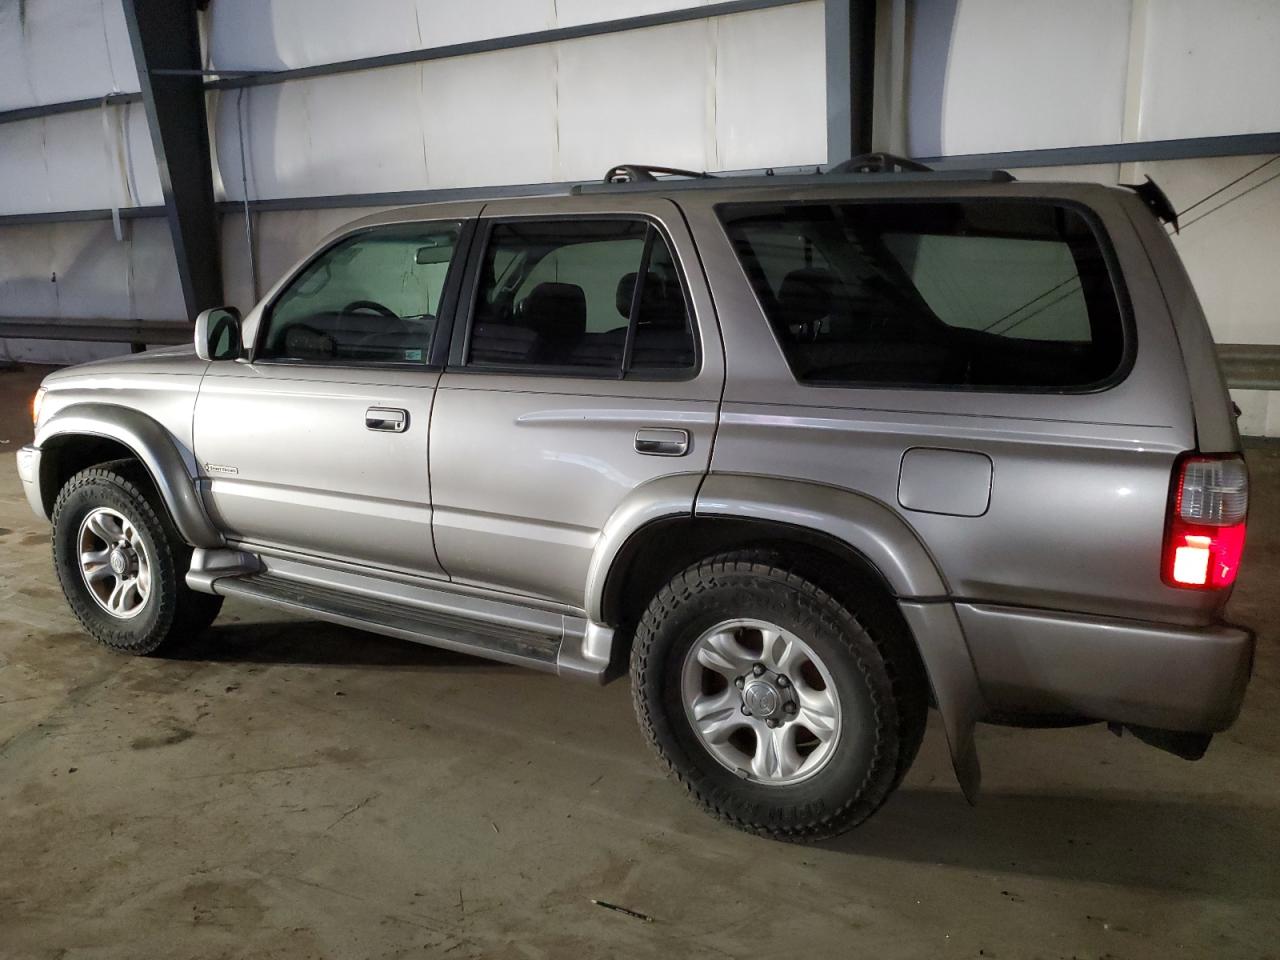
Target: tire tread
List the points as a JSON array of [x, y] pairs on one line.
[[893, 752]]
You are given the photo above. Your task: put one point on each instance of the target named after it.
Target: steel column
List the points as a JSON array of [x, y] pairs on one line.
[[165, 36], [851, 58]]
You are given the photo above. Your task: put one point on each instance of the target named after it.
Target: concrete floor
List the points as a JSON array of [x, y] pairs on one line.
[[291, 789]]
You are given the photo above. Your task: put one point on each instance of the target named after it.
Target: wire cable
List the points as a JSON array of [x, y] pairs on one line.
[[1243, 193], [1228, 186], [1019, 309]]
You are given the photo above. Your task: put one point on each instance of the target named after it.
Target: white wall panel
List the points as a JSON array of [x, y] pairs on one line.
[[79, 270], [740, 91], [1232, 253], [62, 162], [570, 13], [54, 50], [609, 115], [359, 132], [443, 22], [141, 170], [282, 34], [281, 239], [770, 88], [490, 119], [1020, 75], [278, 35], [1104, 173], [28, 286], [24, 176], [155, 292], [1211, 68], [82, 173]]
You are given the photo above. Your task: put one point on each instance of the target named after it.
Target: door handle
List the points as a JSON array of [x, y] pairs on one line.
[[662, 442], [389, 419]]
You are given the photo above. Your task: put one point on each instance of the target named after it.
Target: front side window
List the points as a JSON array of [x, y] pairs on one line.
[[599, 297], [982, 294], [372, 297]]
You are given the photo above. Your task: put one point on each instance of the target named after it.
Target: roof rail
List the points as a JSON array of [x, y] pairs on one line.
[[879, 163], [644, 173], [867, 168]]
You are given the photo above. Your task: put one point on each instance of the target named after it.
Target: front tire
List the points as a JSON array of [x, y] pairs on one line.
[[779, 708], [121, 562]]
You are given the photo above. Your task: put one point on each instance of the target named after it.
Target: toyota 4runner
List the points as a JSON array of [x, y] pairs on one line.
[[810, 453]]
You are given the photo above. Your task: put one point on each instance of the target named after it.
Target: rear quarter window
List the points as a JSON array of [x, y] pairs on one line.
[[987, 294]]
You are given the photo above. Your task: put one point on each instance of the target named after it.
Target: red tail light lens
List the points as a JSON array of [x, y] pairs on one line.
[[1205, 535]]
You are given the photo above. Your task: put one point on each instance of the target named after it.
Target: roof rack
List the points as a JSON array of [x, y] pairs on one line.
[[866, 168], [644, 173]]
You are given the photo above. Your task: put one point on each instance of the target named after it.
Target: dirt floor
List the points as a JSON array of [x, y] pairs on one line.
[[287, 788]]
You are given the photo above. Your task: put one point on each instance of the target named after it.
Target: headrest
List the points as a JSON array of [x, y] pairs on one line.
[[661, 304], [556, 311], [806, 295]]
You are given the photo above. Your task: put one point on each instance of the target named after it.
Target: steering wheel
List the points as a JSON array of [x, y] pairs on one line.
[[373, 305]]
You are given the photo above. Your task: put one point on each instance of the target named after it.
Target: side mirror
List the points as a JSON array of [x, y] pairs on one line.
[[218, 334]]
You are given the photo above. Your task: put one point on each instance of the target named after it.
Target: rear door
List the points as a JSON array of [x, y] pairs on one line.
[[317, 443], [585, 371]]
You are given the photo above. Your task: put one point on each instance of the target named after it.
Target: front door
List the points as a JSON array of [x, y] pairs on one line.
[[589, 368], [317, 443]]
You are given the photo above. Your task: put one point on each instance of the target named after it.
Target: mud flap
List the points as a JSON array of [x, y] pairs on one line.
[[955, 684]]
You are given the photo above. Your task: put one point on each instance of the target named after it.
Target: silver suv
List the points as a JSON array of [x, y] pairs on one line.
[[811, 453]]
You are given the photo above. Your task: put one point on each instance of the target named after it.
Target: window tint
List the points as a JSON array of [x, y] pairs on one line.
[[372, 297], [981, 294], [601, 296]]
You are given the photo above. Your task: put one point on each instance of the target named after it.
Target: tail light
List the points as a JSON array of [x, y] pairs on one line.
[[1205, 533]]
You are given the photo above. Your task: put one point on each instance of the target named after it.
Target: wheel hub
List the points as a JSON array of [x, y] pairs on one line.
[[114, 562], [761, 701], [120, 560], [767, 699]]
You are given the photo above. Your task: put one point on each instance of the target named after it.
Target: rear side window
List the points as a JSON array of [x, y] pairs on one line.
[[592, 297], [979, 294]]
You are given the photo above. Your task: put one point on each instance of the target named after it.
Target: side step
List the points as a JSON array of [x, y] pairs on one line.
[[503, 642]]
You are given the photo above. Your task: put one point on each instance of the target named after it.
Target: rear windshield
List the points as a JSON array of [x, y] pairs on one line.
[[979, 294]]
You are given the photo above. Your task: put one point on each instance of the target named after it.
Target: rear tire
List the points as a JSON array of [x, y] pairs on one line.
[[779, 708], [122, 564]]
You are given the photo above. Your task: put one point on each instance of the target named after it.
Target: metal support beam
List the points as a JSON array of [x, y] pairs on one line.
[[78, 216], [67, 106], [851, 59], [1185, 148], [165, 36], [1251, 366], [146, 332]]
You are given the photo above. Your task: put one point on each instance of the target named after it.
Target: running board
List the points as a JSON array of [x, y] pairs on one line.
[[440, 615], [437, 629]]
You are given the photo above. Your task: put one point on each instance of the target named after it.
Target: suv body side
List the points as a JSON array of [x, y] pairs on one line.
[[526, 487]]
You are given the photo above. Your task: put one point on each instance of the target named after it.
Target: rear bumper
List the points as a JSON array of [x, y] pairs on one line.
[[1156, 675], [29, 474]]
